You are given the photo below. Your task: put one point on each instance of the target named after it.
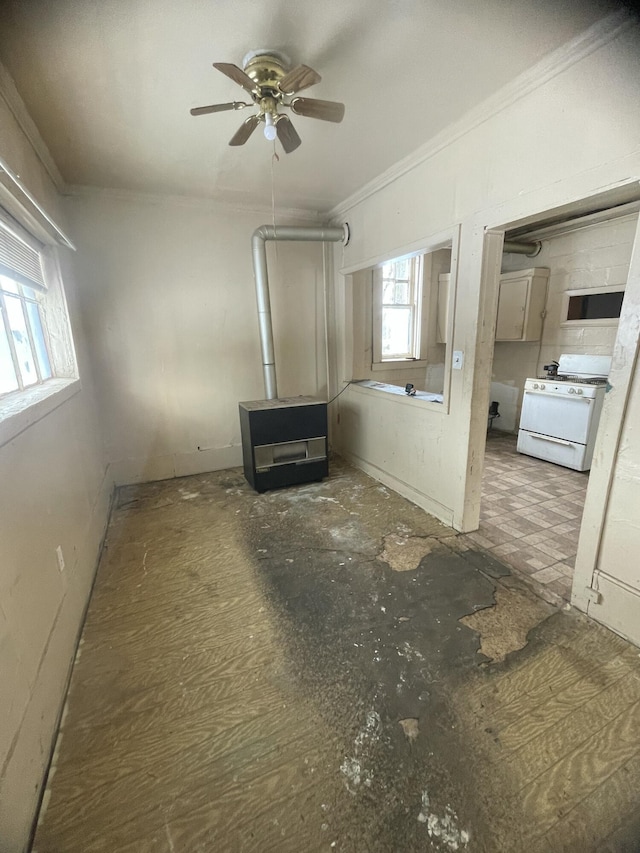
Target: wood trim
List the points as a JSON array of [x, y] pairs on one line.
[[477, 376]]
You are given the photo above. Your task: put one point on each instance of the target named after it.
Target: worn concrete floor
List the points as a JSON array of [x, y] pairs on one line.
[[326, 668]]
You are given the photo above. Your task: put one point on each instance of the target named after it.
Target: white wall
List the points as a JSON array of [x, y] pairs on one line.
[[556, 141], [169, 303], [595, 256], [54, 490]]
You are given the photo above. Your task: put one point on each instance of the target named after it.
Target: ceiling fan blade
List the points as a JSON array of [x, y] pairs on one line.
[[311, 107], [244, 131], [299, 78], [218, 108], [236, 74], [287, 134]]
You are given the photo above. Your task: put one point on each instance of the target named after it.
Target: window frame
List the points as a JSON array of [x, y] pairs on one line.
[[26, 405], [357, 332], [588, 291], [420, 269]]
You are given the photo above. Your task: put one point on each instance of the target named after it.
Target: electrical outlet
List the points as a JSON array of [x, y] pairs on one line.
[[458, 358], [60, 557]]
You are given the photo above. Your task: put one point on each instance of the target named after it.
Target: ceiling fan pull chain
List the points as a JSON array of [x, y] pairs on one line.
[[274, 159]]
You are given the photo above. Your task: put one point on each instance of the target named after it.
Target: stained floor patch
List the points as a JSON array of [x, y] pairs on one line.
[[504, 627], [374, 648], [404, 553], [410, 727]]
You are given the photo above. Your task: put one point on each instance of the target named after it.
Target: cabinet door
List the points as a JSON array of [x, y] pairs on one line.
[[512, 303]]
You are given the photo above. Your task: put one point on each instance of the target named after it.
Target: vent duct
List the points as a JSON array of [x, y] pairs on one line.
[[519, 248], [317, 234]]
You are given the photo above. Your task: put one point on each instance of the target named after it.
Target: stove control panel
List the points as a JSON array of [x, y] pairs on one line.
[[572, 389]]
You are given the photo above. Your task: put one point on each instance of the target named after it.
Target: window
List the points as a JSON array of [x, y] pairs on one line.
[[593, 307], [399, 321], [24, 349], [397, 310], [38, 368]]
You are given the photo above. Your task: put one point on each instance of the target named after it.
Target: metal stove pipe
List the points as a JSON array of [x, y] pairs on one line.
[[520, 248], [316, 234]]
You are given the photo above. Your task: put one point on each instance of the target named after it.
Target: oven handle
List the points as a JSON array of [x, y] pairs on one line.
[[552, 439]]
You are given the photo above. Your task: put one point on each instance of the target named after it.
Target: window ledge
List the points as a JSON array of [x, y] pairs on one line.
[[601, 321], [427, 399], [399, 364], [21, 410]]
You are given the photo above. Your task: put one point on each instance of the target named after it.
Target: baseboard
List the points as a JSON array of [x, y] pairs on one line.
[[87, 555], [167, 466], [428, 504]]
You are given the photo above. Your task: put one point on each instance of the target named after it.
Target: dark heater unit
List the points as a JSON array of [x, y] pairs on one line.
[[284, 441]]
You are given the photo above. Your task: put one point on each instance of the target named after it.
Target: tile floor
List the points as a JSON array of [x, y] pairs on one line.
[[531, 513]]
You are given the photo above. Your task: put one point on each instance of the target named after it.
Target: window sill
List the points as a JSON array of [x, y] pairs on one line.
[[401, 364], [601, 321], [21, 410], [426, 399]]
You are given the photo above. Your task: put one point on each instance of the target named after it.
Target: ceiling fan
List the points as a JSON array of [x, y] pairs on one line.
[[268, 77]]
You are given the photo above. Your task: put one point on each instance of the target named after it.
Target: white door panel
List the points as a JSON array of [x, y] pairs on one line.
[[512, 302], [620, 544], [618, 607]]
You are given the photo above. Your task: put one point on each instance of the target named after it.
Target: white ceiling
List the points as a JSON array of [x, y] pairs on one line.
[[109, 84]]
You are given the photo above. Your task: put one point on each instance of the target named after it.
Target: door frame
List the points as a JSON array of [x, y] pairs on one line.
[[625, 360], [624, 363]]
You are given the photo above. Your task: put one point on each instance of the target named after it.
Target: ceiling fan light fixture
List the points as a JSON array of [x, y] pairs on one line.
[[270, 131]]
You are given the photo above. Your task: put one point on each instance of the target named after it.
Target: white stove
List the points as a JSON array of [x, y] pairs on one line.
[[560, 414]]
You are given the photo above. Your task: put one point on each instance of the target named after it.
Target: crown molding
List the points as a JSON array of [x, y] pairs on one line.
[[198, 202], [13, 100], [559, 60], [18, 201]]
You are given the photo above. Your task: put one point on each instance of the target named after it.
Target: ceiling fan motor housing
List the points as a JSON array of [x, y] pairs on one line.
[[266, 70]]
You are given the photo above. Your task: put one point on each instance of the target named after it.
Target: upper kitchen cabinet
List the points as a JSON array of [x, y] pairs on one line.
[[521, 304]]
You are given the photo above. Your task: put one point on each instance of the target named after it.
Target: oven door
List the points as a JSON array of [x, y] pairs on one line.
[[558, 415], [571, 454]]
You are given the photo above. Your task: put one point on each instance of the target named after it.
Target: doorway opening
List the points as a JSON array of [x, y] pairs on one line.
[[534, 486]]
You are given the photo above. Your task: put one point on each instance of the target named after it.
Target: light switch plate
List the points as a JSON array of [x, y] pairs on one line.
[[458, 358]]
